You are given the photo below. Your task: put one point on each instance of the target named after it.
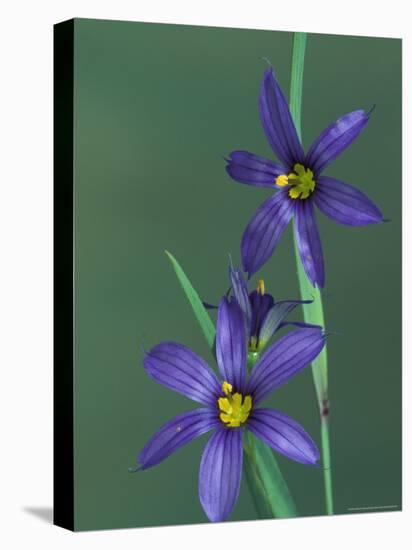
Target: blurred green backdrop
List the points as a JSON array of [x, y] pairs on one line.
[[156, 108]]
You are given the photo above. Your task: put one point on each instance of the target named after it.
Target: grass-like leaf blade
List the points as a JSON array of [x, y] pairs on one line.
[[266, 482], [205, 322]]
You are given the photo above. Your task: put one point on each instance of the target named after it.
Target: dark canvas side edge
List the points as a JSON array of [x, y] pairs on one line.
[[63, 378]]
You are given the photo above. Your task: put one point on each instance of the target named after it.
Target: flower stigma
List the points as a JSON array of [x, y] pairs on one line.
[[301, 182], [234, 409]]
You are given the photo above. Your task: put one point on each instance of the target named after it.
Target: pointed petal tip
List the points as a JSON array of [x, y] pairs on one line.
[[368, 114], [206, 305], [332, 333], [315, 460], [321, 282], [269, 63], [317, 280], [312, 457]]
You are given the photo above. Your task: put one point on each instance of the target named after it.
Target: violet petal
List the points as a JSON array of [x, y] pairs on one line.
[[284, 435], [265, 230], [308, 242], [335, 139], [283, 360], [220, 473], [278, 123], [345, 204], [175, 434], [251, 169], [231, 343], [180, 369]]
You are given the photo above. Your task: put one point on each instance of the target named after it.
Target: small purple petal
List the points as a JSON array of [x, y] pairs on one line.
[[261, 305], [335, 139], [180, 369], [241, 293], [278, 123], [284, 435], [283, 360], [220, 473], [231, 343], [345, 204], [274, 318], [308, 242], [176, 433], [264, 231], [251, 169]]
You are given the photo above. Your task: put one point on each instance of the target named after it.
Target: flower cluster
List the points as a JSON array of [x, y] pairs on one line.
[[231, 400]]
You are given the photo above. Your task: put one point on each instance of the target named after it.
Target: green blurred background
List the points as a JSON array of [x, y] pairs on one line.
[[156, 108]]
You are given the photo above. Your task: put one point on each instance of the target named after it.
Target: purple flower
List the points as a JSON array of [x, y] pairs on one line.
[[300, 183], [263, 316], [230, 405]]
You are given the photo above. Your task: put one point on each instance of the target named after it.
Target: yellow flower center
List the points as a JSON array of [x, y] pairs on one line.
[[300, 180], [234, 409]]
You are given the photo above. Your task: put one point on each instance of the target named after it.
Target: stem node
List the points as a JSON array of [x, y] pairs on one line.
[[325, 408]]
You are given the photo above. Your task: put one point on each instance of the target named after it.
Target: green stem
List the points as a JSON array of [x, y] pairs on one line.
[[327, 465], [313, 313]]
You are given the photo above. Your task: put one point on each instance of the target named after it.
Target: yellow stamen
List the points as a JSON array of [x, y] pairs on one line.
[[261, 287], [301, 181], [282, 180], [227, 388], [234, 409], [294, 193], [224, 405]]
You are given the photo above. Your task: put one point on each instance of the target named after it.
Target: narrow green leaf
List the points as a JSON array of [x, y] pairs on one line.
[[205, 322], [256, 489], [268, 487]]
